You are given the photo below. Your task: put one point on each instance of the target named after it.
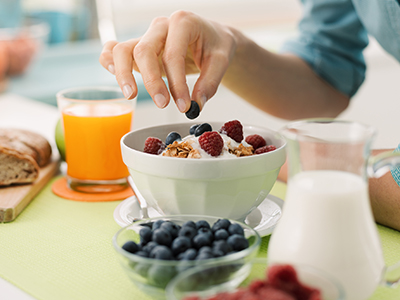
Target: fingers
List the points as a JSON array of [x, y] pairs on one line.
[[123, 62], [106, 57], [182, 32], [146, 54]]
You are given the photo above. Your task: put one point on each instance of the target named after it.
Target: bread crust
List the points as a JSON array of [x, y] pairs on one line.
[[22, 153], [36, 142]]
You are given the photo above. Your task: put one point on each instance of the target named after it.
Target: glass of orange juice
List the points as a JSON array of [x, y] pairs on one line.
[[94, 120]]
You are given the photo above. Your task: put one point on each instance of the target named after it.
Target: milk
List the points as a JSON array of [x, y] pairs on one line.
[[327, 223]]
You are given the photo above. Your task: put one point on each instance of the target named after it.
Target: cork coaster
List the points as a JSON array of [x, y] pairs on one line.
[[61, 189]]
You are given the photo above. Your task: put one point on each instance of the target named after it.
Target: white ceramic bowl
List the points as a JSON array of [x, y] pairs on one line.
[[228, 188]]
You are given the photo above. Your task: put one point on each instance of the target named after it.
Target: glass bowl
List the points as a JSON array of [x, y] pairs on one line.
[[153, 275], [23, 43], [195, 284]]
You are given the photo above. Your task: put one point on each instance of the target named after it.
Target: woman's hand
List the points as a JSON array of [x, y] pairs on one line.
[[173, 47]]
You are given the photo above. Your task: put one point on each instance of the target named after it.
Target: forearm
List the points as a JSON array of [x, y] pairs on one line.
[[282, 85], [385, 199]]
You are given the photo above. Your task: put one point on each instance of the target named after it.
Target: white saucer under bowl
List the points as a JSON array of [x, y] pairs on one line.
[[263, 219]]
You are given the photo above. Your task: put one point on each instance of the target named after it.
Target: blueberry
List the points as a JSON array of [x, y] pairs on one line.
[[204, 255], [145, 235], [205, 249], [188, 232], [180, 244], [190, 224], [193, 111], [235, 228], [201, 240], [162, 237], [142, 253], [149, 246], [161, 252], [221, 234], [131, 247], [238, 242], [221, 224], [159, 275], [157, 224], [202, 128], [148, 224], [171, 227], [202, 223], [172, 137], [221, 246], [189, 254], [207, 232], [192, 131]]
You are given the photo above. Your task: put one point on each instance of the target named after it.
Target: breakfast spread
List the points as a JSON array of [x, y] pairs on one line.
[[203, 142], [282, 283], [22, 153]]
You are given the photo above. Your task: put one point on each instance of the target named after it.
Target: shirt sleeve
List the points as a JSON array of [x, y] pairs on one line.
[[331, 40], [396, 171]]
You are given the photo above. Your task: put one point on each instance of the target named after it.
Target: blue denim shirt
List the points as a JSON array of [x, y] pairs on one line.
[[334, 33]]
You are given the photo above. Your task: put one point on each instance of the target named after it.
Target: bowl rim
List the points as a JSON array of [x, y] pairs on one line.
[[231, 257], [277, 134]]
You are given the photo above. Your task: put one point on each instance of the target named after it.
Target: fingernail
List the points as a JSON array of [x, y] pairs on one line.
[[181, 105], [127, 90], [111, 68], [160, 100]]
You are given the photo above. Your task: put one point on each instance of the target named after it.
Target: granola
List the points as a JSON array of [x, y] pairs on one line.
[[181, 150]]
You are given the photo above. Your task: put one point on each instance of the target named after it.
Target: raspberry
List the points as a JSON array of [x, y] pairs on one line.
[[265, 149], [256, 141], [274, 294], [211, 142], [256, 285], [233, 129], [283, 277], [153, 145]]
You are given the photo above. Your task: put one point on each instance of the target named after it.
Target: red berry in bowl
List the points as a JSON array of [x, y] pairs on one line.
[[211, 142], [256, 140], [153, 145], [265, 149], [233, 129]]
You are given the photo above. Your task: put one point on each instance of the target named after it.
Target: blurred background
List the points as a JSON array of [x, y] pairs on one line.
[[56, 45]]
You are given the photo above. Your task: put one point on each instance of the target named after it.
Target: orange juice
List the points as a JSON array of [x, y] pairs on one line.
[[92, 140]]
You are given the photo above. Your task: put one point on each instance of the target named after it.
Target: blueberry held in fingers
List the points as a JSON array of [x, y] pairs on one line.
[[193, 111]]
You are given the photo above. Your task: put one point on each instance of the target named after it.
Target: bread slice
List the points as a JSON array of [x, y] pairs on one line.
[[22, 153], [16, 167]]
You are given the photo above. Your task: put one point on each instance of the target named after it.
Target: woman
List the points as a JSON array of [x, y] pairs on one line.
[[314, 75]]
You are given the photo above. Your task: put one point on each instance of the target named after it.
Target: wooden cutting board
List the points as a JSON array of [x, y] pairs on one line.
[[13, 199]]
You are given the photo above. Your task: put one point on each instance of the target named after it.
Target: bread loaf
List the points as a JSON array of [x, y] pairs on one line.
[[22, 153]]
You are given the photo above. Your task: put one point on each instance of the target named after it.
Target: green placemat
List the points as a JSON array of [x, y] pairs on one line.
[[60, 249]]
